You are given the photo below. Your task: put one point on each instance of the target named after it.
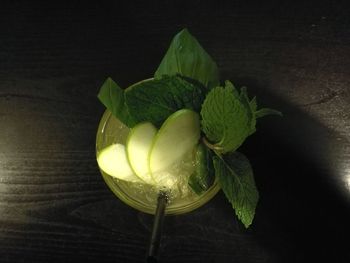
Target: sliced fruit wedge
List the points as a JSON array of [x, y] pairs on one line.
[[176, 137], [138, 146], [113, 161]]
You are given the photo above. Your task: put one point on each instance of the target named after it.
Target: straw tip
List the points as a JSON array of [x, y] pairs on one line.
[[163, 195]]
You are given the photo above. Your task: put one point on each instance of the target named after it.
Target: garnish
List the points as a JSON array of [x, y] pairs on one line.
[[187, 57], [156, 99], [204, 174], [112, 96], [236, 179], [226, 121], [185, 85]]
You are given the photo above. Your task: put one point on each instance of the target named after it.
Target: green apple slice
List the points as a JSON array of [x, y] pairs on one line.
[[138, 146], [176, 137], [113, 161]]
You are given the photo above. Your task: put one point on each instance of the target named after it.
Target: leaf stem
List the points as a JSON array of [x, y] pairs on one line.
[[211, 146]]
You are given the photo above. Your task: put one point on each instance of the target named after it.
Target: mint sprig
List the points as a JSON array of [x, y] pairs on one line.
[[226, 120]]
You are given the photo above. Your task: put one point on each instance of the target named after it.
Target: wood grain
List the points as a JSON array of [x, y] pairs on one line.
[[54, 205]]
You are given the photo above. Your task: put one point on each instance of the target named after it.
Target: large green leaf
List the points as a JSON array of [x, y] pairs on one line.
[[187, 57]]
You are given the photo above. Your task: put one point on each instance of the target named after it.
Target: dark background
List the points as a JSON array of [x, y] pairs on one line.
[[54, 205]]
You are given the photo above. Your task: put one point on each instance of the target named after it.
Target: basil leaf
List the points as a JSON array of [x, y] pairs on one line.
[[156, 99], [186, 57], [236, 179], [112, 96]]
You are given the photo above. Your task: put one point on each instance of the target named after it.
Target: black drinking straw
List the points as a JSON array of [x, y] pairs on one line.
[[157, 227]]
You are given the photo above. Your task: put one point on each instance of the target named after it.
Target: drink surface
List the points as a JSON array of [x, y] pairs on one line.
[[142, 196]]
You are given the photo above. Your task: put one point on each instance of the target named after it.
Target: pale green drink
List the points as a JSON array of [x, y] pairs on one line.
[[143, 196]]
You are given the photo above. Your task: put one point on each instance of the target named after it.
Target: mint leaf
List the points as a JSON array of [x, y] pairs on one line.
[[227, 119], [250, 107], [267, 111], [154, 100], [203, 176], [253, 104], [112, 96], [187, 57], [236, 179]]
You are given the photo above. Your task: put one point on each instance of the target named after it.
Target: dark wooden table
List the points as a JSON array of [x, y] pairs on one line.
[[54, 204]]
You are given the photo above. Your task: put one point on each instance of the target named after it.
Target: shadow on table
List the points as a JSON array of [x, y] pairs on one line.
[[302, 172]]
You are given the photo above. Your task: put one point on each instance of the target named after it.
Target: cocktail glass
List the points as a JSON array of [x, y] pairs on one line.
[[142, 196]]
